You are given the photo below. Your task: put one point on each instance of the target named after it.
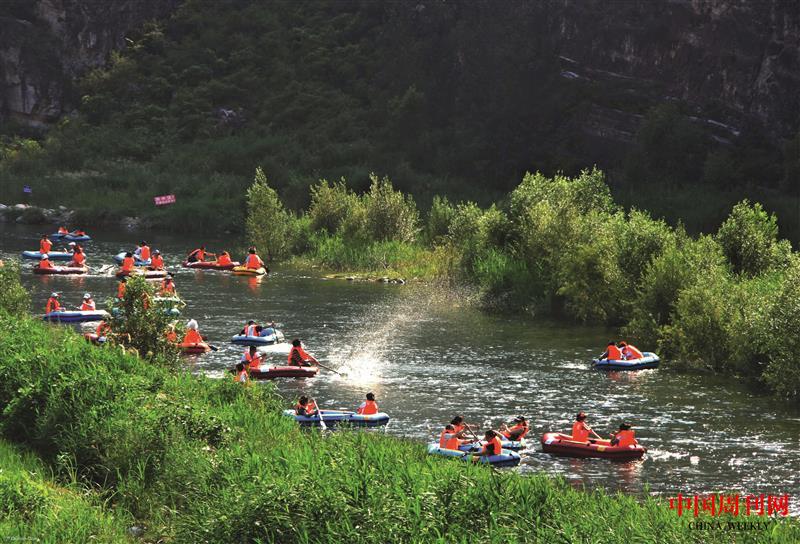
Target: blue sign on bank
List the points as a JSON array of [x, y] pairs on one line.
[[27, 189]]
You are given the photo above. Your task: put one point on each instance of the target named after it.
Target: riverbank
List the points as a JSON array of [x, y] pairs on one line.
[[194, 459]]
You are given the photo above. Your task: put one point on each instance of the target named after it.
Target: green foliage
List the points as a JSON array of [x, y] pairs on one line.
[[14, 298], [390, 215], [749, 238], [268, 222], [330, 205], [783, 373], [440, 217], [141, 325]]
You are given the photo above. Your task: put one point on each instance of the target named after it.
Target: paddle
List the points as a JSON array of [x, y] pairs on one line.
[[328, 368], [321, 419]]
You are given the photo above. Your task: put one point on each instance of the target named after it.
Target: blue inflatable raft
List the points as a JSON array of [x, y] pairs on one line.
[[513, 445], [335, 417], [76, 316], [267, 340], [77, 237], [507, 458], [119, 257], [650, 360], [53, 255]]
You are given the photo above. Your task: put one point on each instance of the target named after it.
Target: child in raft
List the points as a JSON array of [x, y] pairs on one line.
[[305, 407], [492, 445], [580, 430], [368, 407], [241, 374], [624, 437], [517, 431], [630, 352]]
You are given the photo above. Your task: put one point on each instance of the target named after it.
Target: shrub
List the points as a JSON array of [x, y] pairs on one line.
[[390, 215], [749, 238], [268, 222], [330, 205], [440, 217], [14, 298]]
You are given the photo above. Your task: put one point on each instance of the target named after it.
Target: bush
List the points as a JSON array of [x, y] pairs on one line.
[[749, 238], [268, 223], [14, 298], [390, 215], [330, 205], [440, 217]]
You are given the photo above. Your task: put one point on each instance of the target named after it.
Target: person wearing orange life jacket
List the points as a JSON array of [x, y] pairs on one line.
[[580, 430], [52, 304], [128, 263], [143, 251], [630, 352], [78, 232], [368, 407], [625, 437], [171, 334], [88, 304], [45, 244], [492, 445], [103, 329], [121, 288], [449, 439], [249, 329], [224, 259], [198, 255], [167, 287], [612, 352], [305, 407], [298, 356], [44, 261], [241, 375], [156, 261], [516, 431], [253, 261], [252, 359], [192, 335], [78, 257], [63, 230]]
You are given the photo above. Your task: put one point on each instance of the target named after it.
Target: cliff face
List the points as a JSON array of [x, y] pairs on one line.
[[734, 61], [46, 44]]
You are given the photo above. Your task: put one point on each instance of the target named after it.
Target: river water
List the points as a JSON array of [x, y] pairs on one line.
[[427, 355]]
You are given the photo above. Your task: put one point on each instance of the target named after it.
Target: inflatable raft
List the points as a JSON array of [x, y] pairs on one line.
[[77, 237], [76, 316], [147, 274], [506, 458], [53, 255], [210, 265], [273, 372], [62, 270], [563, 445], [650, 360], [336, 417], [194, 349], [119, 257], [268, 340], [244, 271]]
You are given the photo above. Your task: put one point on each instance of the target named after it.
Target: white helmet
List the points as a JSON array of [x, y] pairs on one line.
[[87, 295], [192, 324], [54, 294]]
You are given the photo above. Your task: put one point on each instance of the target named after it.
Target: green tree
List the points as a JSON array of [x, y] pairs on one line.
[[390, 214], [330, 205], [268, 223], [749, 238], [14, 297]]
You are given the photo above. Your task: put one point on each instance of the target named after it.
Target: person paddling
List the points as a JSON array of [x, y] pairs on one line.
[[249, 329], [224, 259], [167, 287], [252, 359], [128, 263], [192, 335], [156, 261], [143, 251], [368, 407], [298, 356], [88, 304], [198, 255], [517, 431], [612, 352], [78, 257], [580, 430], [253, 261], [492, 445], [624, 437], [45, 244], [304, 407], [44, 261], [52, 303], [121, 288]]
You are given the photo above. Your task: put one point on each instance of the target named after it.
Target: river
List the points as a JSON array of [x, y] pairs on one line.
[[427, 355]]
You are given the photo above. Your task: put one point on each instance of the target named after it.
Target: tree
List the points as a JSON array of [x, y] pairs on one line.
[[268, 223]]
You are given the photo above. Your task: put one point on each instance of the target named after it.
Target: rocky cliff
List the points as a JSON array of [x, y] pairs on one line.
[[46, 44]]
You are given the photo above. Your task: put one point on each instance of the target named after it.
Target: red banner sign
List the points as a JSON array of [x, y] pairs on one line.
[[164, 199]]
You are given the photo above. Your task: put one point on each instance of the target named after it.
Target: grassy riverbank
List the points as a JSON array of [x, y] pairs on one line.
[[193, 459]]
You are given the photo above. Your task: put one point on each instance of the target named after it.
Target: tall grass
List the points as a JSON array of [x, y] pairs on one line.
[[200, 460]]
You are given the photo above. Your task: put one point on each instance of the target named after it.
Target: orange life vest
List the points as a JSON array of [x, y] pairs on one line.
[[78, 258], [515, 430], [44, 246], [120, 290], [128, 264], [297, 356], [63, 230], [224, 259], [144, 253], [614, 354], [253, 261], [167, 288], [631, 352], [368, 408], [253, 361], [579, 432], [492, 447], [102, 329], [172, 336], [157, 262], [52, 305], [45, 263], [88, 306], [198, 254], [192, 337], [448, 440], [626, 438], [250, 330]]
